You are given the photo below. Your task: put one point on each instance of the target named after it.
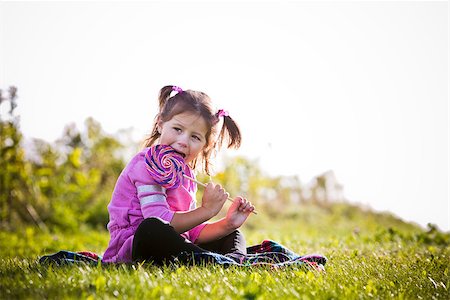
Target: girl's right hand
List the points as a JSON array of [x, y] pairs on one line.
[[214, 198]]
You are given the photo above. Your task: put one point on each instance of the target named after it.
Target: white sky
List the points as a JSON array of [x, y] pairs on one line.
[[360, 88]]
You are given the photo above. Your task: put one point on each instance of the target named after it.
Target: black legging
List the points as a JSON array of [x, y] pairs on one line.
[[157, 241]]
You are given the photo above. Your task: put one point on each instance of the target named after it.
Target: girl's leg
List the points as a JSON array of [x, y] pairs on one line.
[[158, 242], [232, 243]]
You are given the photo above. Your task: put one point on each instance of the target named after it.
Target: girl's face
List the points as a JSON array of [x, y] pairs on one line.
[[186, 133]]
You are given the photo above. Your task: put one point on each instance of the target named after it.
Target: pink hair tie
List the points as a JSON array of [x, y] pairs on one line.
[[177, 89], [222, 113]]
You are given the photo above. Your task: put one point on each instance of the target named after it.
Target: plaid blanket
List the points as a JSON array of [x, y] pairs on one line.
[[268, 253]]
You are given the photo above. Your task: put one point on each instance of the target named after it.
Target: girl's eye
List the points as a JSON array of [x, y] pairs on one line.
[[177, 129], [196, 138]]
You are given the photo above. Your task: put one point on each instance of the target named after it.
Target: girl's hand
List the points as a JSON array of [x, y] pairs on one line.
[[213, 198], [239, 212]]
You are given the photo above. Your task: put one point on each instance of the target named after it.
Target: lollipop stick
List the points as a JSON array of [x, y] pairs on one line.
[[204, 185]]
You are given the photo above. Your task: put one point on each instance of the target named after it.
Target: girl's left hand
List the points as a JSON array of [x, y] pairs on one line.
[[239, 212]]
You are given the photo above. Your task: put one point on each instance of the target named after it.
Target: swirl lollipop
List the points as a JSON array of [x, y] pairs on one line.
[[165, 165]]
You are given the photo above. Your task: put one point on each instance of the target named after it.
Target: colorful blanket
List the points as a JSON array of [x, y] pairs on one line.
[[69, 257], [268, 253]]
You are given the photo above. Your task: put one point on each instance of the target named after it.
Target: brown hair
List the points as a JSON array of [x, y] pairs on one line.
[[197, 103]]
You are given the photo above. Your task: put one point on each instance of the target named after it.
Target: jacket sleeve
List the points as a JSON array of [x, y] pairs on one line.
[[152, 196]]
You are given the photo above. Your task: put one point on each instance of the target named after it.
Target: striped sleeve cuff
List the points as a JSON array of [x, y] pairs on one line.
[[148, 194]]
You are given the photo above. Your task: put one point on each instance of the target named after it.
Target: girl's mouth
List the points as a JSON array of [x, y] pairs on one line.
[[180, 153]]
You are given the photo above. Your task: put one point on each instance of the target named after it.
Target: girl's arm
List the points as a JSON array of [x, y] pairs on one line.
[[184, 221], [213, 199], [236, 216], [214, 231]]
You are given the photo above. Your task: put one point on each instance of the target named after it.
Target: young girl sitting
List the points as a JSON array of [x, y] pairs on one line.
[[150, 223]]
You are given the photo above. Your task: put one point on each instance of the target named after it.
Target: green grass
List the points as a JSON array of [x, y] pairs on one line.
[[370, 256]]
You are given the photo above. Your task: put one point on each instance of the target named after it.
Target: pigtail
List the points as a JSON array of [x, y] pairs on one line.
[[164, 95], [230, 132]]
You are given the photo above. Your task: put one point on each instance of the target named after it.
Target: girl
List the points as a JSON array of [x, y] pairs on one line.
[[150, 223]]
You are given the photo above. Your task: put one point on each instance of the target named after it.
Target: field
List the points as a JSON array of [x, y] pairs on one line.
[[371, 255]]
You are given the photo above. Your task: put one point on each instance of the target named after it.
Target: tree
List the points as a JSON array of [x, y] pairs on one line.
[[76, 176], [15, 197]]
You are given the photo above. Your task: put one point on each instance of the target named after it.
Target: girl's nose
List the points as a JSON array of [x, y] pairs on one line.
[[182, 141], [182, 144]]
